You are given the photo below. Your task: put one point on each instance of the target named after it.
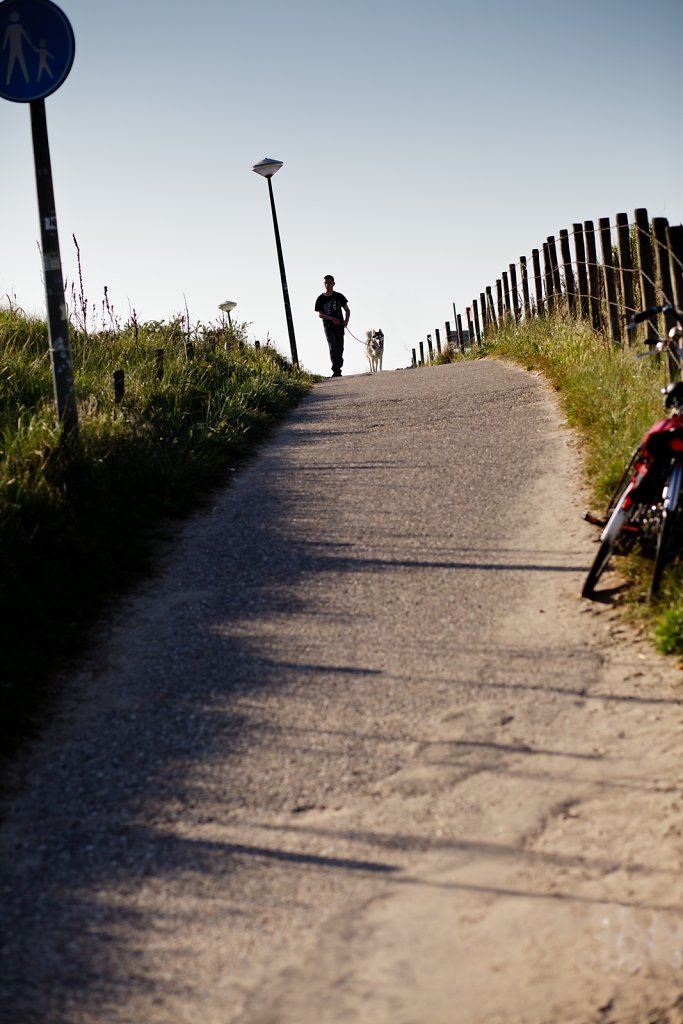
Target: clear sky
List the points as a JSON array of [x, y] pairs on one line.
[[425, 145]]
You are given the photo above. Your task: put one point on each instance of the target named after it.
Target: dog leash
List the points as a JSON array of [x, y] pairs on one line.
[[354, 337]]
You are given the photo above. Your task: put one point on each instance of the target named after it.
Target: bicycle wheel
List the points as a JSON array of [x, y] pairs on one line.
[[611, 538], [598, 567], [668, 530]]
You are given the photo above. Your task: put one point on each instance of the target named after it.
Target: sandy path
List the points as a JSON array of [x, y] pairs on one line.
[[360, 753]]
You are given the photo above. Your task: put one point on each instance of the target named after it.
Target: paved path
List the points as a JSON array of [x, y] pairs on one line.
[[360, 753]]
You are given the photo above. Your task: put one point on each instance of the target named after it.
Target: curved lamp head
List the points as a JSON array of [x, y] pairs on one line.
[[227, 306], [267, 167]]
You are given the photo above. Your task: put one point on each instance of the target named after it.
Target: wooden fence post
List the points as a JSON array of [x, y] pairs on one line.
[[548, 278], [490, 311], [499, 299], [538, 282], [525, 287], [457, 333], [675, 237], [449, 339], [429, 346], [482, 306], [610, 280], [470, 325], [422, 353], [646, 268], [506, 294], [569, 285], [659, 226], [438, 340], [659, 231], [461, 336], [477, 329], [514, 291], [581, 271], [625, 267], [593, 275], [119, 386], [414, 358], [555, 270]]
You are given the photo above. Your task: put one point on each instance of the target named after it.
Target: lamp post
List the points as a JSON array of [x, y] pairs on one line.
[[267, 168], [227, 306]]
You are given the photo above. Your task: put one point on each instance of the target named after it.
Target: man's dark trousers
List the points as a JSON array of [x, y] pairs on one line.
[[335, 342]]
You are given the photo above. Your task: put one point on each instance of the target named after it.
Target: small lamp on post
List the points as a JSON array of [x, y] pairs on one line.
[[227, 306], [267, 168]]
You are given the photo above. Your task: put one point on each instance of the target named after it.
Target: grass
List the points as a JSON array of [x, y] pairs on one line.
[[610, 397], [78, 522]]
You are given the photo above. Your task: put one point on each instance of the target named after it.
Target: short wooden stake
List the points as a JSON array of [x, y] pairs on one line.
[[119, 386]]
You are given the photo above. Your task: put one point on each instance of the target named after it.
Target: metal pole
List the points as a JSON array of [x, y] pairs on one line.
[[285, 293], [58, 325]]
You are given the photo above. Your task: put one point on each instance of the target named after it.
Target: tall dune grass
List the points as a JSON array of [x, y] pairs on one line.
[[77, 522]]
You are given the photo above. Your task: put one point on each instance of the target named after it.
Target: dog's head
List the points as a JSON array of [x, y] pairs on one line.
[[375, 339]]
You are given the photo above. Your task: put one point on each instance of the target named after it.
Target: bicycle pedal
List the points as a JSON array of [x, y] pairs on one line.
[[594, 520]]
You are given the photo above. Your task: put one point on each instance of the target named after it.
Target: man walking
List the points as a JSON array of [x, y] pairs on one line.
[[333, 309]]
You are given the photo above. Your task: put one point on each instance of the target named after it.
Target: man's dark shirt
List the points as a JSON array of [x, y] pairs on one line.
[[331, 305]]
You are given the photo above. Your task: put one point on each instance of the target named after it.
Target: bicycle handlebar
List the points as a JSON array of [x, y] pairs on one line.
[[646, 314]]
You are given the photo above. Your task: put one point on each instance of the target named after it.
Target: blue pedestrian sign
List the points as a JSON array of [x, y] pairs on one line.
[[37, 48]]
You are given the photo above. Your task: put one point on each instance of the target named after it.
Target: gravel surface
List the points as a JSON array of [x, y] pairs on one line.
[[359, 752]]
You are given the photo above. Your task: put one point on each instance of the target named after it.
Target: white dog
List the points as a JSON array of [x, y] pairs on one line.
[[374, 349]]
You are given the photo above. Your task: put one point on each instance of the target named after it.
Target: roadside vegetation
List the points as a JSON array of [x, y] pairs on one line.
[[610, 398], [79, 522]]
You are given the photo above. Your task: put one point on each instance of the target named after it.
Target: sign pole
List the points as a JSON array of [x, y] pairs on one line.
[[36, 55], [58, 325]]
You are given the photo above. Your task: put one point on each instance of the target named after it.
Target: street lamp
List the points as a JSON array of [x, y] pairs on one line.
[[227, 306], [267, 168]]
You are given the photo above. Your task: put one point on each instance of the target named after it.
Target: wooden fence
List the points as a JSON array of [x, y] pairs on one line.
[[640, 265]]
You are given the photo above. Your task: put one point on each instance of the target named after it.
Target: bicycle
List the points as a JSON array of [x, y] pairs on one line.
[[646, 507]]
